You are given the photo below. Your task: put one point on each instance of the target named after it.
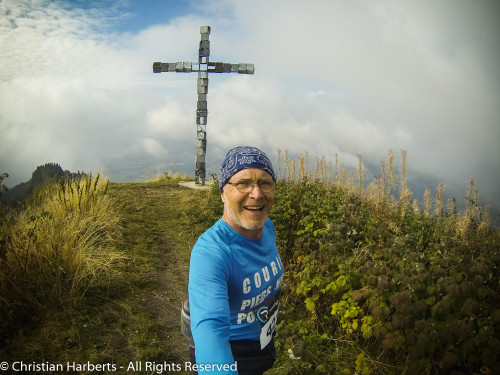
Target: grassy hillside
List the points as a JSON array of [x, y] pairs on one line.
[[373, 284], [128, 312], [377, 285], [375, 288]]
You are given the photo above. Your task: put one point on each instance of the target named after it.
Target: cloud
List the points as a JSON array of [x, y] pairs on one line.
[[412, 75], [172, 121], [343, 78]]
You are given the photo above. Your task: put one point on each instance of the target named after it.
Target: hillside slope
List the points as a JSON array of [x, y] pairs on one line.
[[371, 286], [135, 315]]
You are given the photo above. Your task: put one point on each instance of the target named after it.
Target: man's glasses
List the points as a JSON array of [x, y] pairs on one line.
[[246, 186]]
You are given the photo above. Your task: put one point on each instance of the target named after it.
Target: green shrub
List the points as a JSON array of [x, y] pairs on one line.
[[416, 293]]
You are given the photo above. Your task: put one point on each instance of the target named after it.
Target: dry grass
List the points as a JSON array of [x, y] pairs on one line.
[[82, 271], [63, 242]]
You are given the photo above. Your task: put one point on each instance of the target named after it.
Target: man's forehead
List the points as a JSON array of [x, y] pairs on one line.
[[251, 173]]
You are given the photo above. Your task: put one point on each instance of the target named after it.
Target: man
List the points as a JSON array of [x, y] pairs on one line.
[[235, 272]]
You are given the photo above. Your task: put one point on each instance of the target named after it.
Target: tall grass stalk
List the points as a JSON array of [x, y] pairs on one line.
[[360, 176], [438, 212], [279, 163], [405, 192]]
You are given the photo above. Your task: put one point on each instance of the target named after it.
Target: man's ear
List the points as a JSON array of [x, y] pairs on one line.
[[222, 196]]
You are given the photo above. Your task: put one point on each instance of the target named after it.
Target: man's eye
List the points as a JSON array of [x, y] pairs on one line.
[[244, 184], [265, 183]]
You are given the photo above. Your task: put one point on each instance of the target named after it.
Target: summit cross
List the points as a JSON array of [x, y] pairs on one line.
[[203, 67]]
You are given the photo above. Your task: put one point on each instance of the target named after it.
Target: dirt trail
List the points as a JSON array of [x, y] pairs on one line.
[[153, 213], [165, 302]]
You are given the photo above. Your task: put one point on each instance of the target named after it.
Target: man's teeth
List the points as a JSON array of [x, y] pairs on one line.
[[260, 208]]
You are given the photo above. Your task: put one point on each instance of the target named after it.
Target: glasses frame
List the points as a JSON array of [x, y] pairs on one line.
[[272, 185]]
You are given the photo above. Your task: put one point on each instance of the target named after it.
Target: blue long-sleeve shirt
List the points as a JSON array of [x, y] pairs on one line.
[[233, 285]]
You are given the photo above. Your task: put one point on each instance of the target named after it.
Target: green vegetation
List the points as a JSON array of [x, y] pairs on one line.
[[376, 286], [95, 271]]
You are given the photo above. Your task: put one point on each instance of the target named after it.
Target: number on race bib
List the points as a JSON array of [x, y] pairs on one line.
[[272, 326], [266, 334]]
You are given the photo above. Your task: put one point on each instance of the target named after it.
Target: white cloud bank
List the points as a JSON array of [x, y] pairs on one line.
[[332, 77]]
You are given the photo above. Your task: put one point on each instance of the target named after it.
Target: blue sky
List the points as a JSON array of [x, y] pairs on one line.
[[143, 14], [331, 78]]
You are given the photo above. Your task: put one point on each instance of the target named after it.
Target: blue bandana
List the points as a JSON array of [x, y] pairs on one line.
[[243, 157]]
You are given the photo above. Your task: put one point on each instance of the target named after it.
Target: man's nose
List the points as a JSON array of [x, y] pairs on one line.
[[256, 191]]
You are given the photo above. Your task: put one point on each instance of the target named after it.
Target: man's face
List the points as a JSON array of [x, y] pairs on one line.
[[247, 212]]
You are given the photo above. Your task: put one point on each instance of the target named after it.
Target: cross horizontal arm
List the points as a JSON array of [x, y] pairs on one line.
[[212, 67]]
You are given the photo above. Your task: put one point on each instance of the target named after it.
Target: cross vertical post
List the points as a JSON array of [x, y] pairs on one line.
[[203, 67], [202, 106]]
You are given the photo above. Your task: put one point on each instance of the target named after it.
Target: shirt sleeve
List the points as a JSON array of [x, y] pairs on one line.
[[209, 306]]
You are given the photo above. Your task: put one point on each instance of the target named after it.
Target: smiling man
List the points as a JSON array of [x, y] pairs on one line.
[[235, 272]]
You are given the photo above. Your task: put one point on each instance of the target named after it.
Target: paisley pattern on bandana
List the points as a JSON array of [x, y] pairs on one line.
[[243, 157]]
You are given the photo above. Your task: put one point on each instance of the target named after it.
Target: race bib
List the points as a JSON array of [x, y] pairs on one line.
[[268, 317]]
